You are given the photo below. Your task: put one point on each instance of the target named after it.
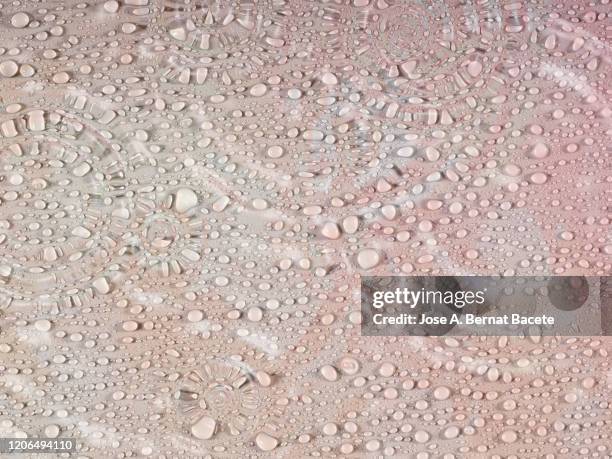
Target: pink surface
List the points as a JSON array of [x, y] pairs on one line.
[[191, 190]]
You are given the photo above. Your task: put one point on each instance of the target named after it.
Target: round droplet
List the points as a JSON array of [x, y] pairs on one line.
[[350, 224], [130, 326], [386, 369], [111, 6], [539, 178], [421, 436], [474, 68], [405, 152], [204, 428], [329, 78], [20, 20], [195, 315], [42, 325], [266, 442], [9, 69], [368, 259], [539, 151], [373, 445], [330, 230], [258, 90], [441, 393], [61, 78], [263, 378], [509, 436], [185, 199], [255, 314], [329, 373], [349, 365], [52, 431], [259, 204], [275, 151]]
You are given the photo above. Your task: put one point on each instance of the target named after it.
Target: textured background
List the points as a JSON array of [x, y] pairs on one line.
[[190, 191]]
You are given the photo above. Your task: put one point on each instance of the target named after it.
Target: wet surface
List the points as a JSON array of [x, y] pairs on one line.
[[191, 190]]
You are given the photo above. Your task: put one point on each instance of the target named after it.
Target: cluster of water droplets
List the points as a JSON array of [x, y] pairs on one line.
[[190, 192]]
